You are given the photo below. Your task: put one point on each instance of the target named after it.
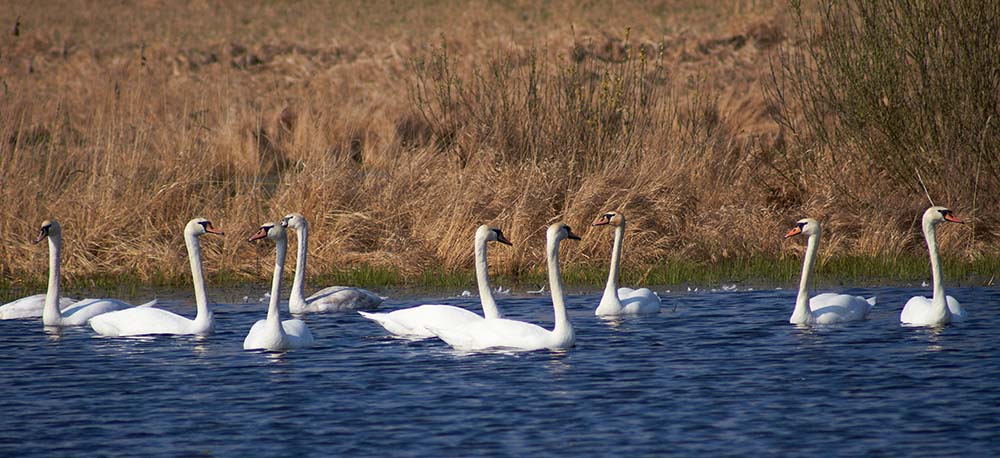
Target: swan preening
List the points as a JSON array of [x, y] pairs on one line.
[[939, 309], [827, 307], [330, 299], [139, 321], [76, 313], [414, 322], [501, 333], [272, 333], [622, 301]]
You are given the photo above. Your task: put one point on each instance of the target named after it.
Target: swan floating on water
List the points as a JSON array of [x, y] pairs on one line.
[[413, 322], [939, 309], [502, 333], [823, 308], [330, 299], [140, 321], [30, 307], [272, 333], [79, 312], [622, 301]]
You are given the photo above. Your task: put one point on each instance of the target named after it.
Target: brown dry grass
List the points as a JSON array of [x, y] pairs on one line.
[[125, 121]]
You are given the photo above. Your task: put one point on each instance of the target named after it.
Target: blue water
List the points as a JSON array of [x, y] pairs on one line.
[[722, 375]]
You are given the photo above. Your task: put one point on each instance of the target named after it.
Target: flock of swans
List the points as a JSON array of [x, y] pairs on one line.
[[458, 327]]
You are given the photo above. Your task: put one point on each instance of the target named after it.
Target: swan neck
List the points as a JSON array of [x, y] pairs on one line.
[[938, 299], [299, 283], [197, 276], [50, 312], [562, 324], [273, 311], [802, 311], [490, 309], [616, 258]]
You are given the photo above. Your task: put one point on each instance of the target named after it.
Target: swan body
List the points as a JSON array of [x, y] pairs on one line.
[[622, 301], [501, 333], [826, 308], [138, 321], [414, 322], [29, 307], [939, 309], [77, 313], [273, 334], [330, 299]]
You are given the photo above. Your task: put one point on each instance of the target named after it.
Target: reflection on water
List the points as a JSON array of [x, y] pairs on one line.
[[714, 378]]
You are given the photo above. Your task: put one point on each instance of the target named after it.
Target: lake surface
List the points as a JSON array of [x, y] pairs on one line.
[[722, 375]]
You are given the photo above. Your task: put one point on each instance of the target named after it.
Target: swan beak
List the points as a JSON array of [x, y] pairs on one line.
[[601, 221], [795, 231], [503, 240], [42, 234], [570, 235], [261, 233], [954, 219], [212, 230]]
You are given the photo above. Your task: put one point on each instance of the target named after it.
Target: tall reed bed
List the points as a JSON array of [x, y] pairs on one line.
[[397, 130]]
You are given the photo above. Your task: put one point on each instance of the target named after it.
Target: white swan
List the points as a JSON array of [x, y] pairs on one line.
[[272, 333], [30, 307], [622, 301], [331, 299], [413, 322], [140, 321], [517, 335], [823, 308], [79, 312], [939, 309]]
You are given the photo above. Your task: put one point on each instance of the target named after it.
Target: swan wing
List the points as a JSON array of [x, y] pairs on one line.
[[498, 333], [414, 322], [78, 313], [957, 312], [30, 307], [642, 301], [836, 308], [339, 298], [917, 311], [137, 321], [298, 333]]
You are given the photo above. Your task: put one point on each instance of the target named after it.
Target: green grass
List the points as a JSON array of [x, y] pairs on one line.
[[761, 271]]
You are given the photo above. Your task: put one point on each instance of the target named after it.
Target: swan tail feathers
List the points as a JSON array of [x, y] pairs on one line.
[[151, 303]]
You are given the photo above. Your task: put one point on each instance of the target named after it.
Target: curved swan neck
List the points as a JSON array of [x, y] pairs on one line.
[[562, 324], [616, 258], [273, 311], [51, 315], [930, 235], [490, 309], [197, 276], [299, 283], [802, 313]]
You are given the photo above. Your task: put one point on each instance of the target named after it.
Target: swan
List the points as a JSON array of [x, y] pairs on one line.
[[518, 335], [140, 321], [79, 312], [939, 309], [273, 334], [622, 301], [823, 308], [29, 307], [413, 322], [331, 299]]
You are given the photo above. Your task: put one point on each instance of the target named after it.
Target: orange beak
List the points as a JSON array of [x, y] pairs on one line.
[[41, 235], [795, 231], [601, 221], [212, 230], [953, 219], [261, 233]]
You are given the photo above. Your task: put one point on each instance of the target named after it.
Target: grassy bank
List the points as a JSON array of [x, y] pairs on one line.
[[398, 128]]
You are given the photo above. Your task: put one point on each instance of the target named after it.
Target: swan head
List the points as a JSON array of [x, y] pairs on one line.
[[560, 231], [50, 228], [273, 231], [935, 215], [295, 221], [491, 234], [201, 226], [807, 226], [612, 218]]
